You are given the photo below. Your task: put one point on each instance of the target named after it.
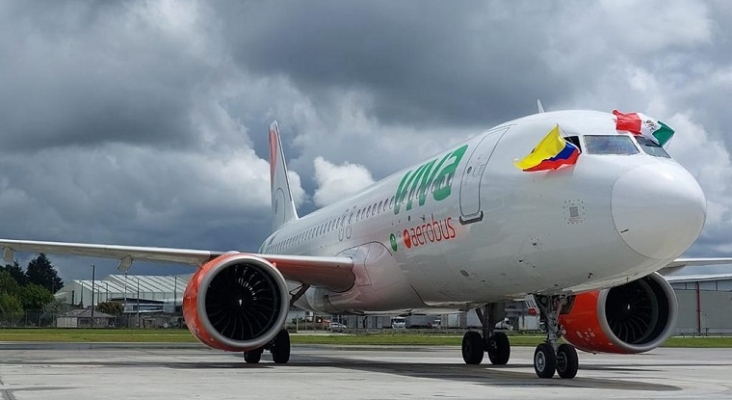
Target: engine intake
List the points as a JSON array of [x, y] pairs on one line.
[[632, 318], [236, 302]]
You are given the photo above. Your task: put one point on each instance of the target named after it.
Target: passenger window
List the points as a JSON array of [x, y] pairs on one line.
[[379, 208], [368, 211]]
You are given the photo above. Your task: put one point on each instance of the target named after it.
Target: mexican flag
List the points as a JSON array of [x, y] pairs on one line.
[[641, 124]]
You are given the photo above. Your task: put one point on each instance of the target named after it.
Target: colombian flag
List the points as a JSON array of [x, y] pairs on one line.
[[551, 153]]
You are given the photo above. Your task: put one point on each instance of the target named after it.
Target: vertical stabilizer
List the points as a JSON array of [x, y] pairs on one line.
[[283, 205]]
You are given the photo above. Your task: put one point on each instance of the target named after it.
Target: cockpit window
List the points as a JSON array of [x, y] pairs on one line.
[[651, 147], [610, 144]]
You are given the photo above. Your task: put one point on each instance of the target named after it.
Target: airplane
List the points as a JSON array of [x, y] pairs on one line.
[[582, 241]]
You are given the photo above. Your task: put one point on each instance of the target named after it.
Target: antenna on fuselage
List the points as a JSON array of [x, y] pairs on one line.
[[539, 106]]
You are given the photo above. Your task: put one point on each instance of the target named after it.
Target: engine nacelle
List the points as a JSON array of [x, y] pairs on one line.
[[632, 318], [236, 302]]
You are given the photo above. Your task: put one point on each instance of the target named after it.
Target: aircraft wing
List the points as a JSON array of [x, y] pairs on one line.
[[680, 263], [331, 272]]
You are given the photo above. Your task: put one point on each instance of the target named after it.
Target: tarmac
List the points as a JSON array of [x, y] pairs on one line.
[[190, 371]]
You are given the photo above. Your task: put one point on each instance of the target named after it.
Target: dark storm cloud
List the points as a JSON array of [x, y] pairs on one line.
[[84, 73], [424, 63]]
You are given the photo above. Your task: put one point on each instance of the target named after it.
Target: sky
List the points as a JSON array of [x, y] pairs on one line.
[[144, 123]]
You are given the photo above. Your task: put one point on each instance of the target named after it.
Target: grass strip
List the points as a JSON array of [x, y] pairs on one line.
[[375, 339]]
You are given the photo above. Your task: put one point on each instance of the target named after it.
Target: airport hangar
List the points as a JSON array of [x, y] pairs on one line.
[[705, 301]]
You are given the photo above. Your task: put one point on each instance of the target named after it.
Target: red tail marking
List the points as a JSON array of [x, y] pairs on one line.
[[272, 155]]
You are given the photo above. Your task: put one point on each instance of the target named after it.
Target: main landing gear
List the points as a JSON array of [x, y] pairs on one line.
[[551, 357], [494, 343], [279, 347]]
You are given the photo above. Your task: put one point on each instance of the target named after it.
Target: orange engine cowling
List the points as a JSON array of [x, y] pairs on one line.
[[236, 302], [632, 318]]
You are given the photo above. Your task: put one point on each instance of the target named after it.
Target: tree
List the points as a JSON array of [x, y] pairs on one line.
[[16, 272], [110, 307], [41, 272], [10, 307], [54, 308], [8, 285], [34, 297]]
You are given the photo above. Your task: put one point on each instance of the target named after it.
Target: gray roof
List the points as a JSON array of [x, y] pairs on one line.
[[699, 278], [147, 283]]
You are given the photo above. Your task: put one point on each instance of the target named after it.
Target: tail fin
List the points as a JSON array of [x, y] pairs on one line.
[[283, 205]]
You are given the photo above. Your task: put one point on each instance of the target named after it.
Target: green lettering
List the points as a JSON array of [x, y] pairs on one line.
[[443, 187], [431, 179], [428, 175], [401, 192], [424, 185], [415, 183]]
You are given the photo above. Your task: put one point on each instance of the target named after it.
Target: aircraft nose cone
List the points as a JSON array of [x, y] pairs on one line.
[[658, 209]]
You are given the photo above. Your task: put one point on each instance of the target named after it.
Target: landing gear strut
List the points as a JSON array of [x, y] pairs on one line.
[[494, 343], [279, 347], [550, 357]]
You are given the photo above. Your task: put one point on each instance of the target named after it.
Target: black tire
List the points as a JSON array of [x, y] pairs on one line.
[[545, 361], [280, 348], [253, 356], [473, 348], [567, 361], [498, 348]]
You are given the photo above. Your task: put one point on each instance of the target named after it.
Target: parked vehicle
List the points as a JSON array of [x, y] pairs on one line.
[[337, 327], [398, 323]]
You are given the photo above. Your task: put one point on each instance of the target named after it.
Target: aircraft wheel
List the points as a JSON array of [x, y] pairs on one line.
[[473, 348], [567, 361], [280, 348], [253, 356], [545, 361], [498, 348]]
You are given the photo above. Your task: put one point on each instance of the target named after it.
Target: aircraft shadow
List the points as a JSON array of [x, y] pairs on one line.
[[488, 375], [484, 374]]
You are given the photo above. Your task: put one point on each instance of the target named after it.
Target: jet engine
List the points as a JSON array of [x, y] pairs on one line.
[[632, 318], [236, 302]]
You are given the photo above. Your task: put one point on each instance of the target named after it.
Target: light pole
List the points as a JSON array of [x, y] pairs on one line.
[[175, 294], [94, 270], [138, 303], [124, 308]]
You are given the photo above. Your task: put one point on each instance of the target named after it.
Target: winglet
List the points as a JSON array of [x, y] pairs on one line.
[[539, 106], [283, 204]]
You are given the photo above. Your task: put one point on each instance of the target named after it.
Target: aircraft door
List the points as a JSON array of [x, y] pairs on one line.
[[470, 208]]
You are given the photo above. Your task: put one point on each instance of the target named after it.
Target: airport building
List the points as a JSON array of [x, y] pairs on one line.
[[705, 303], [146, 293]]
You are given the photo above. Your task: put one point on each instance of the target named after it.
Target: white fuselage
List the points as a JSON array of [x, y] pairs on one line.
[[466, 227]]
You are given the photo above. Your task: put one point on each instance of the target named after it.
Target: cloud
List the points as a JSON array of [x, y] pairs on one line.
[[338, 181]]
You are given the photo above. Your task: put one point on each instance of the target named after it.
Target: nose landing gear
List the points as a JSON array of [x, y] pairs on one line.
[[551, 357]]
